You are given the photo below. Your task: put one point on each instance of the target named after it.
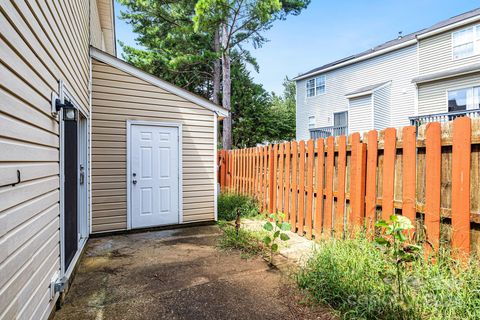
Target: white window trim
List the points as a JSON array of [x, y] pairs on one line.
[[315, 93], [310, 124], [457, 89], [476, 47]]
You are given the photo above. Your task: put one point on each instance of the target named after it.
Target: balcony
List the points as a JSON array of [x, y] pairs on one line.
[[444, 117], [325, 132]]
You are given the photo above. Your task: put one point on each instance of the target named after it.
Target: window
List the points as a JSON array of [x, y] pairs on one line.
[[340, 119], [311, 122], [464, 99], [466, 42], [316, 86]]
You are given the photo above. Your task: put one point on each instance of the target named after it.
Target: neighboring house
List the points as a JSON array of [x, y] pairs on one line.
[[410, 80], [88, 144]]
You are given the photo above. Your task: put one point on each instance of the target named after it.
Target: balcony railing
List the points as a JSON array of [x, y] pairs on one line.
[[444, 117], [325, 132]]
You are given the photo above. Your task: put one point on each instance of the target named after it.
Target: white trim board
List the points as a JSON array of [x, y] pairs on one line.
[[180, 165], [122, 65]]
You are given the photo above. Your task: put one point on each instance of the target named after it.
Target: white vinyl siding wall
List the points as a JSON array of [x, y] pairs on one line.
[[432, 97], [118, 97], [381, 108], [399, 66], [435, 53], [360, 117]]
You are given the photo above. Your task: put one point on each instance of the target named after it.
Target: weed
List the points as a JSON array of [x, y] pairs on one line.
[[229, 203]]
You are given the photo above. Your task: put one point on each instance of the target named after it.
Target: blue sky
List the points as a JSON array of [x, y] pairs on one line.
[[330, 30]]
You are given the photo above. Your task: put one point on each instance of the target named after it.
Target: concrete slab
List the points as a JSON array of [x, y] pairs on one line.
[[178, 274]]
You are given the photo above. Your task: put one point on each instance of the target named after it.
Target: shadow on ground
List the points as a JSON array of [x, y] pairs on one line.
[[178, 274]]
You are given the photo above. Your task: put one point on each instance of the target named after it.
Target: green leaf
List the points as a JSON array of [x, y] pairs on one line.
[[268, 226], [285, 226], [276, 234], [274, 247], [272, 216], [381, 224], [267, 240], [381, 241], [284, 236], [281, 215]]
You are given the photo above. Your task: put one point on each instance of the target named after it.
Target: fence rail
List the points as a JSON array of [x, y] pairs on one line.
[[327, 186]]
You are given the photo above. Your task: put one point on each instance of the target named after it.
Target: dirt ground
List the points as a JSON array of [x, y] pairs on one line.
[[178, 274]]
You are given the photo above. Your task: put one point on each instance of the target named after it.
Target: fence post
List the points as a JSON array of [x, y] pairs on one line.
[[301, 189], [310, 162]]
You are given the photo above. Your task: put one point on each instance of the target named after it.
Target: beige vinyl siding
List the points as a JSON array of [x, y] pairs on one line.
[[435, 53], [96, 34], [360, 116], [41, 42], [118, 97], [105, 12], [432, 97], [399, 67]]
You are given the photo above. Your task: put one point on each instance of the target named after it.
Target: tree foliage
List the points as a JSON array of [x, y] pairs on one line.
[[176, 43]]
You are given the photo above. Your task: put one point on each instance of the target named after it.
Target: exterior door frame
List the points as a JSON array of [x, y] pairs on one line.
[[83, 210], [131, 123]]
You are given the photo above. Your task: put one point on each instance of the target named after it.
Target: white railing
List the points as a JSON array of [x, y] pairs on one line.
[[325, 132], [444, 117]]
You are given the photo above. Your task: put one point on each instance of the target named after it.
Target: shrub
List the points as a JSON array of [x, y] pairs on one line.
[[358, 279], [229, 202]]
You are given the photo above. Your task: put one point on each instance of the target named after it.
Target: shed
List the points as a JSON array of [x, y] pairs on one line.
[[153, 150]]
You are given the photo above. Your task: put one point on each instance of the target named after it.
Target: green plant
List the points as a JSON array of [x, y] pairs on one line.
[[358, 280], [394, 243], [229, 203], [275, 229], [248, 242]]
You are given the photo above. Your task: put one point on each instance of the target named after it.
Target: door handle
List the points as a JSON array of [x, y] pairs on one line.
[[82, 174], [134, 181]]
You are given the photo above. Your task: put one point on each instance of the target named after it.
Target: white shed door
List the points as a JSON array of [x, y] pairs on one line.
[[154, 175]]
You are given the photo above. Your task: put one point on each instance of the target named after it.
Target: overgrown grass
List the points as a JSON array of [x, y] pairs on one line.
[[229, 203], [246, 241], [357, 279]]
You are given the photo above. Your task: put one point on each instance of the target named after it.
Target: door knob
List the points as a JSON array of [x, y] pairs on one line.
[[134, 181]]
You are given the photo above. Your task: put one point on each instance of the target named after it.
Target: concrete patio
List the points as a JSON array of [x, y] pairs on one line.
[[178, 274]]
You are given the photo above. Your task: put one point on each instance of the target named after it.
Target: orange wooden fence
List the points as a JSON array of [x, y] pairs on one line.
[[327, 186]]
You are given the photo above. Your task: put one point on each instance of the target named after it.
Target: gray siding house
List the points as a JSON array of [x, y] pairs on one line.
[[429, 75]]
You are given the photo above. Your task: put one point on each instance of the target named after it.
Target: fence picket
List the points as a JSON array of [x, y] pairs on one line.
[[371, 187], [286, 205], [301, 189], [328, 212], [389, 153], [280, 178], [293, 205], [339, 215], [409, 203], [461, 184], [354, 142], [319, 188], [309, 205], [433, 183]]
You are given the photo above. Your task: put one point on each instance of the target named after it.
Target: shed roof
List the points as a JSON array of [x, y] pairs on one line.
[[128, 68]]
